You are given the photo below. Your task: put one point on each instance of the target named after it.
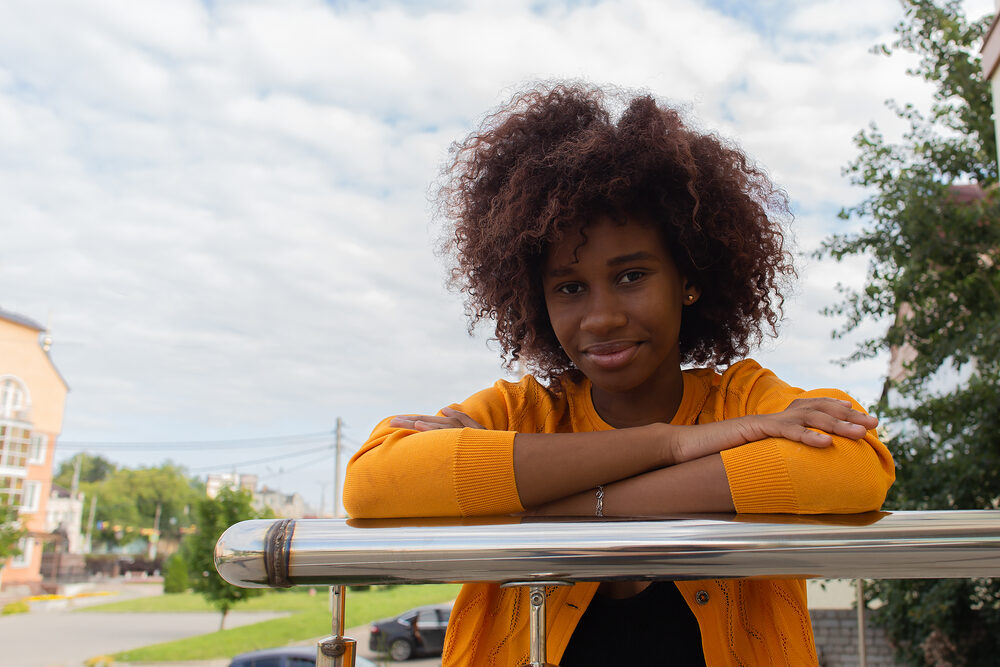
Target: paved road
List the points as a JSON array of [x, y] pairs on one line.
[[66, 639]]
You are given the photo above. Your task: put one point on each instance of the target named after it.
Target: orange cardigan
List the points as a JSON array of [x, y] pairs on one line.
[[465, 472]]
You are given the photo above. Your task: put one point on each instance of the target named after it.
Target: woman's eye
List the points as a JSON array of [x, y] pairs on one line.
[[570, 288], [631, 276]]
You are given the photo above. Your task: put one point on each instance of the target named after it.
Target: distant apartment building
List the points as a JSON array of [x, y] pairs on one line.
[[32, 398], [230, 480], [284, 505]]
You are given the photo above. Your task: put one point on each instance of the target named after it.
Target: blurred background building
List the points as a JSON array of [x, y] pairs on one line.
[[32, 398]]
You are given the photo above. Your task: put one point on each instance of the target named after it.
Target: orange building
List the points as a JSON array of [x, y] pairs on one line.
[[32, 397]]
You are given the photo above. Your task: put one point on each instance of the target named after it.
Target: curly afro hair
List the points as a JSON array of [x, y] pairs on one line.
[[553, 160]]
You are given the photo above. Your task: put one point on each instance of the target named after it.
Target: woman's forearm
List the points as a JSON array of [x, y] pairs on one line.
[[550, 466], [695, 486]]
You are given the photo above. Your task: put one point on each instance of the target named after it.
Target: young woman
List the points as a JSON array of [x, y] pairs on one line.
[[623, 260]]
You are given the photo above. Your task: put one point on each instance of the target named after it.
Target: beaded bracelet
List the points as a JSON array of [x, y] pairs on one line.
[[599, 510]]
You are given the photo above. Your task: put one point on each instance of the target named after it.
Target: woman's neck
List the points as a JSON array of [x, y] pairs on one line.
[[654, 401]]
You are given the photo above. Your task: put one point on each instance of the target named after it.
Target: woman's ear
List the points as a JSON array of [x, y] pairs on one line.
[[691, 293]]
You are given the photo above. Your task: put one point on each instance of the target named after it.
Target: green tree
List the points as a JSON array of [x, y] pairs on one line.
[[11, 532], [175, 575], [212, 517], [931, 231], [92, 469], [129, 500]]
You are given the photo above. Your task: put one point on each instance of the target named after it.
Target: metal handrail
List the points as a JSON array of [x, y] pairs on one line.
[[528, 551]]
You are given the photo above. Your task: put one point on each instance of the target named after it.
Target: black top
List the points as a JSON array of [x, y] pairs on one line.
[[655, 627]]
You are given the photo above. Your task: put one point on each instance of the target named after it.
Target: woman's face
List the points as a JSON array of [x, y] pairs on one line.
[[615, 304]]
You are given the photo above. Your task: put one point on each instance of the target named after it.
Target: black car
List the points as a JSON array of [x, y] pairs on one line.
[[286, 656], [418, 631]]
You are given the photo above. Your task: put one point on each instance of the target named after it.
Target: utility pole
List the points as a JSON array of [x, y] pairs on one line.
[[90, 521], [76, 476], [322, 497], [862, 657], [154, 539], [336, 469]]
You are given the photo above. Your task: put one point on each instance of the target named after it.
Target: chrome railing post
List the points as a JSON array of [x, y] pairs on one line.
[[536, 619], [536, 647], [336, 650]]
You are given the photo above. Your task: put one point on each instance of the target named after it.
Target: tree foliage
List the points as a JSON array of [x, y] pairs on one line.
[[176, 578], [127, 498], [931, 230], [212, 517], [11, 531], [92, 469]]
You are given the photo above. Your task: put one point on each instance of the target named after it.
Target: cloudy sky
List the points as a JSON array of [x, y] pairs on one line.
[[222, 208]]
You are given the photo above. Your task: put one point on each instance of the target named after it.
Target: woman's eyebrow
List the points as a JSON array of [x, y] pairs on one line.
[[566, 270], [631, 257]]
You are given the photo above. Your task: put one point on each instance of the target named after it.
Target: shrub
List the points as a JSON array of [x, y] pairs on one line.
[[175, 576]]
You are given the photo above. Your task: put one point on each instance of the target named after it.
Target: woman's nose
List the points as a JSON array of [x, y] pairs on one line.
[[604, 313]]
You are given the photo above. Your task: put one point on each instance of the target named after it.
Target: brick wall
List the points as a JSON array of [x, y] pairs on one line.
[[836, 632]]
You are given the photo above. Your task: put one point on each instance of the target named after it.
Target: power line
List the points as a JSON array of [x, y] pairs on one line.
[[237, 464], [285, 471], [246, 443]]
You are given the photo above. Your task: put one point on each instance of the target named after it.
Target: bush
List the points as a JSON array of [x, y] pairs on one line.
[[19, 607], [175, 575]]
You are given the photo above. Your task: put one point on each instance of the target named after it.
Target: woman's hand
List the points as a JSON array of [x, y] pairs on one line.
[[810, 421], [449, 418]]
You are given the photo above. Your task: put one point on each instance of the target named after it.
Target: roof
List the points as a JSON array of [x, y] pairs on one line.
[[31, 324], [20, 319], [444, 606], [969, 192]]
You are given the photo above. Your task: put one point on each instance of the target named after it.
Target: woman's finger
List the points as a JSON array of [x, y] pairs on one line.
[[463, 418], [436, 421], [798, 431], [421, 425], [814, 425], [842, 410]]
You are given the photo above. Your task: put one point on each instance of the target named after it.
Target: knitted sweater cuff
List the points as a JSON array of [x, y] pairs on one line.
[[758, 479], [484, 473]]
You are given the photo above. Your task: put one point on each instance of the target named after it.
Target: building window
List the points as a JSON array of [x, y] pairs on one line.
[[11, 490], [23, 559], [36, 450], [14, 401], [32, 492], [15, 440]]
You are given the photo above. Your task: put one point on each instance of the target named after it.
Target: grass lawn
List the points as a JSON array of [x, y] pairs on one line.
[[310, 619], [293, 599]]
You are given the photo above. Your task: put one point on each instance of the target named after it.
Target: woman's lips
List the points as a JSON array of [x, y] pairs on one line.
[[611, 356]]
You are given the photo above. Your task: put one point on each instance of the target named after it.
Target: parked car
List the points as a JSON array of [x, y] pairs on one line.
[[286, 656], [418, 631]]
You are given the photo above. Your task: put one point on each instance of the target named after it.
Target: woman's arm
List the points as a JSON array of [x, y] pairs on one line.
[[559, 466], [694, 486]]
